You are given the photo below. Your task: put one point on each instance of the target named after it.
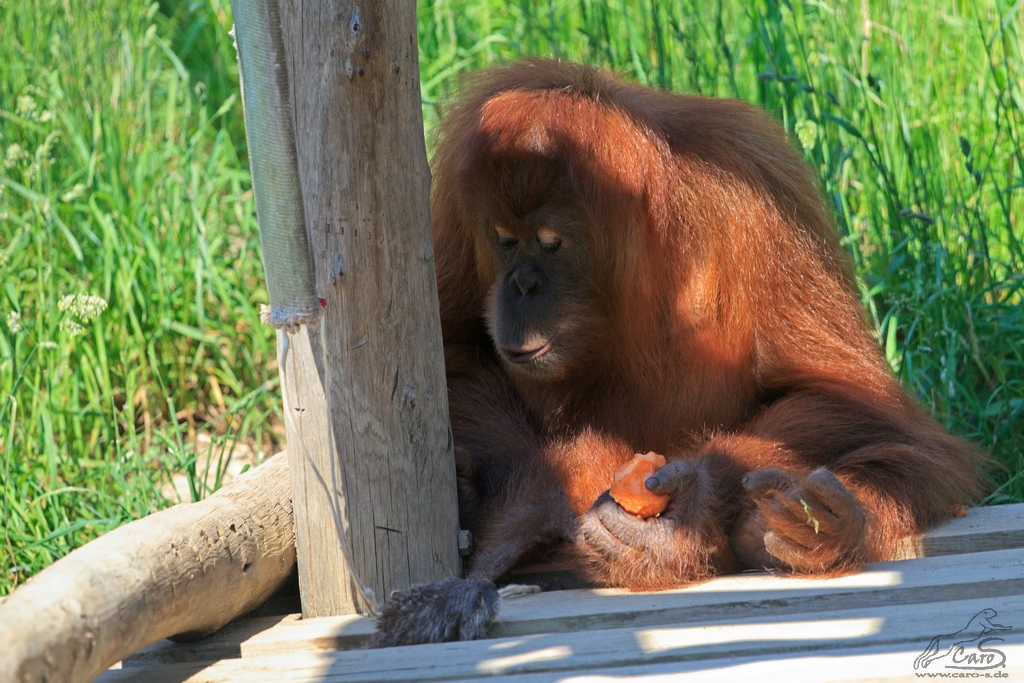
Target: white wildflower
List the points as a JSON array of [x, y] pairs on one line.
[[14, 322], [85, 307], [807, 133], [46, 149], [27, 107], [71, 327], [13, 155]]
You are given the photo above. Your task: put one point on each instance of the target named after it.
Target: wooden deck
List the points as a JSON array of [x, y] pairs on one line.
[[963, 593]]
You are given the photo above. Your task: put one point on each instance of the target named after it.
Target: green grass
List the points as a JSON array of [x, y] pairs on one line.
[[119, 180], [912, 113], [123, 176]]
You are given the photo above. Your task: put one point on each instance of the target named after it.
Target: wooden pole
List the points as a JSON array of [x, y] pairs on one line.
[[187, 570], [367, 411]]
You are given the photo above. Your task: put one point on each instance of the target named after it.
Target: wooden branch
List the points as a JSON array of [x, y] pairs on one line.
[[186, 571]]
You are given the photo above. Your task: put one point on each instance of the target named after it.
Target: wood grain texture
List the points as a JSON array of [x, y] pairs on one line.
[[186, 570], [223, 644], [697, 646], [379, 366], [982, 528], [736, 598]]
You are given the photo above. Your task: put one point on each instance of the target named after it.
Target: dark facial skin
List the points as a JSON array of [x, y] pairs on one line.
[[539, 311]]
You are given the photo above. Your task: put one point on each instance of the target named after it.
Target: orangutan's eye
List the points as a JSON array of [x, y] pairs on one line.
[[505, 237], [550, 241]]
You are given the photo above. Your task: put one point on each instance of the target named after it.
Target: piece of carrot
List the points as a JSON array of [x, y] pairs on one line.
[[629, 490]]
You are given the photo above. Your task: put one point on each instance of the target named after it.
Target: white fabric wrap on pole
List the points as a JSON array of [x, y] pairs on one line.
[[263, 72]]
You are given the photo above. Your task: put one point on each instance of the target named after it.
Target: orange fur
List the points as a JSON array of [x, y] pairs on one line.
[[723, 332]]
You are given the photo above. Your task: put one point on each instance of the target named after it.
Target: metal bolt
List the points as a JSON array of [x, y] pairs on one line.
[[465, 542]]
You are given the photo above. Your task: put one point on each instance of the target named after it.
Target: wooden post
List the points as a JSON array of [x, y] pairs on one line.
[[369, 441]]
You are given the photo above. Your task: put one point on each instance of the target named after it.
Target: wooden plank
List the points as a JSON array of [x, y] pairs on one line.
[[891, 629], [997, 527], [283, 607], [739, 598], [326, 634], [980, 530], [190, 568], [224, 644], [861, 665]]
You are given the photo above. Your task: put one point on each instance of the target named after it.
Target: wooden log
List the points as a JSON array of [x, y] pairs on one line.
[[370, 452], [187, 570]]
